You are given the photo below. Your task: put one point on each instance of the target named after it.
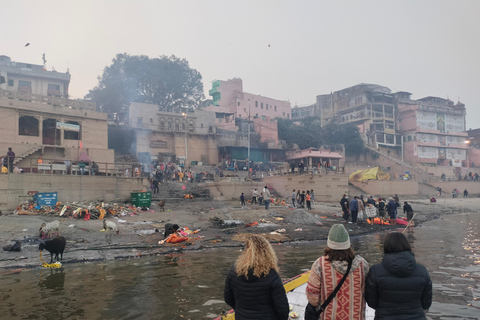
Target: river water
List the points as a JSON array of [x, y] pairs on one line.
[[190, 285]]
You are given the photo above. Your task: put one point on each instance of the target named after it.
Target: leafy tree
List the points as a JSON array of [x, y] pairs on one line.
[[346, 134], [168, 82]]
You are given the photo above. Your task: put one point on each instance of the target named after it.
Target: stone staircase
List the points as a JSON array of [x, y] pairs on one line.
[[26, 154], [421, 175], [355, 191], [426, 190]]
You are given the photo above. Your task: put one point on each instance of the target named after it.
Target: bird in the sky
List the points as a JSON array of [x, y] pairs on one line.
[[27, 44]]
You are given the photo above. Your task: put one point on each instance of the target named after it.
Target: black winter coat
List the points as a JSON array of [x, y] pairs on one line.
[[261, 298], [399, 288]]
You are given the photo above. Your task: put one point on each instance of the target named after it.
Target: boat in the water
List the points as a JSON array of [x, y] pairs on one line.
[[297, 298]]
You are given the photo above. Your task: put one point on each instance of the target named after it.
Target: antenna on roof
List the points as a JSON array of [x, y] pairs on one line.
[[44, 61]]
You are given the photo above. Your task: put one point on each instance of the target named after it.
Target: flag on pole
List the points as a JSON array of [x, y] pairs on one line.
[[81, 145]]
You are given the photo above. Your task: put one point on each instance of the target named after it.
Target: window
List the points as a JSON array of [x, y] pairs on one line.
[[177, 126], [71, 135], [22, 83], [170, 126], [288, 116], [261, 105], [162, 125], [139, 121], [201, 125], [256, 115], [191, 126], [238, 104], [28, 126], [275, 108], [283, 113], [151, 120], [358, 100], [24, 86], [266, 107], [183, 126], [10, 83], [256, 104]]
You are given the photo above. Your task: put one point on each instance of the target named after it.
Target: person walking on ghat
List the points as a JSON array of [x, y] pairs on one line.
[[254, 196], [465, 193], [155, 185], [328, 270], [10, 159], [398, 287], [242, 200], [293, 198], [253, 287], [266, 196], [345, 207], [392, 211], [354, 209], [408, 209], [308, 199], [312, 196]]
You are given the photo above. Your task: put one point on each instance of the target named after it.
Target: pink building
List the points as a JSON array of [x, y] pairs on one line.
[[433, 130], [230, 102]]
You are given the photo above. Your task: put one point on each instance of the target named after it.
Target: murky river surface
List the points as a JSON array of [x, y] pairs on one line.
[[190, 286]]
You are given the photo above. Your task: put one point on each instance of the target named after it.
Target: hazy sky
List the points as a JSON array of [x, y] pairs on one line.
[[288, 50]]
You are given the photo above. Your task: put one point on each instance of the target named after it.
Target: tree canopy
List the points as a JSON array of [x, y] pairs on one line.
[[168, 82], [309, 134]]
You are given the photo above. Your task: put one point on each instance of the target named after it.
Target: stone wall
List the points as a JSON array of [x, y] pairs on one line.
[[327, 187], [14, 188], [231, 190], [473, 187], [387, 188]]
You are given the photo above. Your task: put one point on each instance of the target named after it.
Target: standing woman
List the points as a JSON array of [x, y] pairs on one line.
[[253, 287], [328, 270], [398, 288]]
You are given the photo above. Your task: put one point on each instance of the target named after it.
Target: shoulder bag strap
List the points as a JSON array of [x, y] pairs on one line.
[[334, 293]]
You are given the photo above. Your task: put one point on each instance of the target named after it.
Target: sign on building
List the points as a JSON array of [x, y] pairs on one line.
[[68, 126], [158, 144]]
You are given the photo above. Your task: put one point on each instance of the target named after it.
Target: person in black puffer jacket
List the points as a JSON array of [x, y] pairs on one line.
[[398, 288], [253, 287]]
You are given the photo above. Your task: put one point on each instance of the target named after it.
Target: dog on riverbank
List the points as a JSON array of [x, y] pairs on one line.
[[110, 225], [47, 229], [55, 246], [161, 204]]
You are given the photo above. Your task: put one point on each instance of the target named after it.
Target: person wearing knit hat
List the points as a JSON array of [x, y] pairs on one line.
[[335, 261], [338, 238]]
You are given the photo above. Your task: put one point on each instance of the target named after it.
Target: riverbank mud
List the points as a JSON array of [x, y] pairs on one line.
[[219, 224]]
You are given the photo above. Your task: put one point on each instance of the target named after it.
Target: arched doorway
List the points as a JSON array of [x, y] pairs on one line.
[[28, 126]]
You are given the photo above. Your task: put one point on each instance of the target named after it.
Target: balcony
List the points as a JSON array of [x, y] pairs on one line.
[[212, 91]]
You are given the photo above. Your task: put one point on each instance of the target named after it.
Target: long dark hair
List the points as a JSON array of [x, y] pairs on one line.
[[396, 242], [339, 255]]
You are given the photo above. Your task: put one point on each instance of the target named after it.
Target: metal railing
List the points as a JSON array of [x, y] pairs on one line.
[[66, 167]]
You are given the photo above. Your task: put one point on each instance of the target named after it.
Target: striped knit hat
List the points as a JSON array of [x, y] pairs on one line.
[[338, 238]]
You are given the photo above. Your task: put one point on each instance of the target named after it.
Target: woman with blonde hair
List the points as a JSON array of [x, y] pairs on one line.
[[253, 287]]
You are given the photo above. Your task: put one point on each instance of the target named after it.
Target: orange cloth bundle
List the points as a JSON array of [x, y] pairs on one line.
[[174, 238]]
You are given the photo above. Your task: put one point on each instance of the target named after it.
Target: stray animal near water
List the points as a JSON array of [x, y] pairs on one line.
[[110, 225], [46, 229], [55, 246], [161, 204]]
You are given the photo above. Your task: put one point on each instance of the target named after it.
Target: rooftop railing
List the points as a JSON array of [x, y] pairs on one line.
[[50, 100]]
